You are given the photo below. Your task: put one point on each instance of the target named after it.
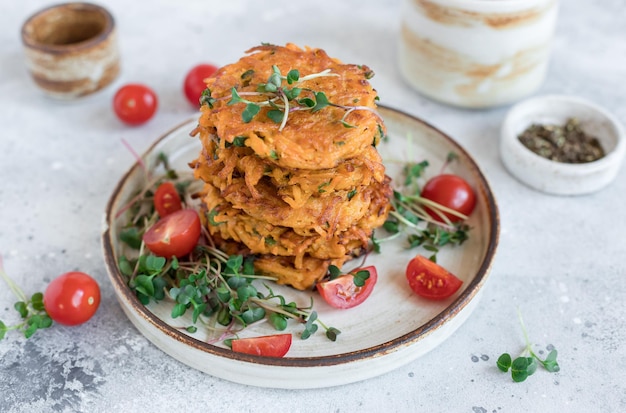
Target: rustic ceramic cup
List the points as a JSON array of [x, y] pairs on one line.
[[476, 53], [71, 49]]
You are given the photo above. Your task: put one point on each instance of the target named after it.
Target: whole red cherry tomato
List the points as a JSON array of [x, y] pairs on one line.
[[135, 104], [194, 82], [342, 292], [72, 298], [430, 280], [269, 346], [175, 234], [451, 191], [166, 199]]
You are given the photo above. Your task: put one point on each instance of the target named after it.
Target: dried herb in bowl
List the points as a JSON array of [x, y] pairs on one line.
[[567, 143]]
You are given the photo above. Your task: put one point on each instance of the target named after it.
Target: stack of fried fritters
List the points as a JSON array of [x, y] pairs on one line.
[[303, 197]]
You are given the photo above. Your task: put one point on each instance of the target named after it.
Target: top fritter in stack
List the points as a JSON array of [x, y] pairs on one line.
[[299, 192]]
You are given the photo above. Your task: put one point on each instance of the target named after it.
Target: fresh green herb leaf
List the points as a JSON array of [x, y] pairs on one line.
[[251, 110], [276, 115], [526, 364], [131, 237], [321, 101], [293, 76]]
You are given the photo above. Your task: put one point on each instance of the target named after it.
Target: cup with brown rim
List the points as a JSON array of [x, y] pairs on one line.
[[71, 49]]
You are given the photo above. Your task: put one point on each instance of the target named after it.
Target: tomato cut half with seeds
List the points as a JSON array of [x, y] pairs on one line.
[[343, 293], [269, 346], [72, 298], [175, 234], [430, 280], [166, 199]]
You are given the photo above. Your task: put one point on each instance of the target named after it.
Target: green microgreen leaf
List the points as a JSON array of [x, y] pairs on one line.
[[239, 141], [321, 101], [504, 362], [293, 76], [275, 115], [279, 321], [360, 277], [307, 102], [332, 333], [21, 308], [131, 237], [211, 217], [205, 98], [234, 98], [334, 271], [351, 194], [251, 110]]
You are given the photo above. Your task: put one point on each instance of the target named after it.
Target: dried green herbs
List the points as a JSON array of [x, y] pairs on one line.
[[567, 143]]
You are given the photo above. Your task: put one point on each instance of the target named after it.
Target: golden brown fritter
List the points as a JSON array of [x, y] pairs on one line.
[[301, 195], [310, 140], [293, 186]]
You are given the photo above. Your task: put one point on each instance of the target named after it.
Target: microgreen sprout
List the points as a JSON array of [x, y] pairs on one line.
[[526, 364], [31, 310], [281, 99]]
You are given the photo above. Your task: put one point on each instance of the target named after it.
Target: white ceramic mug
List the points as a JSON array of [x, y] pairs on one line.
[[476, 53]]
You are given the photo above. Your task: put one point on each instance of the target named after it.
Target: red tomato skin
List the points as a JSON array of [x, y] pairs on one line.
[[72, 298], [451, 191], [176, 234], [268, 346], [430, 280], [342, 293], [194, 82], [135, 104], [166, 199]]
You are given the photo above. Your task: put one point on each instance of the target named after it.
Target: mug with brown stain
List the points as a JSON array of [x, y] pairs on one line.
[[476, 53], [71, 49]]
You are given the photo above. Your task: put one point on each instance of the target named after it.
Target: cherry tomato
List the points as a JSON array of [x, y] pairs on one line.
[[166, 199], [135, 104], [451, 191], [72, 298], [343, 293], [430, 280], [194, 82], [176, 234], [269, 346]]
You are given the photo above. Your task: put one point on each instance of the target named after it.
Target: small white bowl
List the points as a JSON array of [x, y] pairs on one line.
[[558, 177]]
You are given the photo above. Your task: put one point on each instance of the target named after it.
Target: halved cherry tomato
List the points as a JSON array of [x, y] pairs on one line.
[[269, 346], [135, 104], [72, 298], [175, 234], [166, 199], [343, 293], [194, 82], [451, 191], [430, 280]]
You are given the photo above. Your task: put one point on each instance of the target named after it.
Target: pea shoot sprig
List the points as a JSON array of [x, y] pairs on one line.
[[526, 364], [219, 291], [31, 310], [409, 216], [284, 99]]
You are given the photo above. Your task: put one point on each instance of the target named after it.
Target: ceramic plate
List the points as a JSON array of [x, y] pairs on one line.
[[390, 329]]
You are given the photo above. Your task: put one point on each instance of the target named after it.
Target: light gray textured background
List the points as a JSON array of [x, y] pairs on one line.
[[561, 259]]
